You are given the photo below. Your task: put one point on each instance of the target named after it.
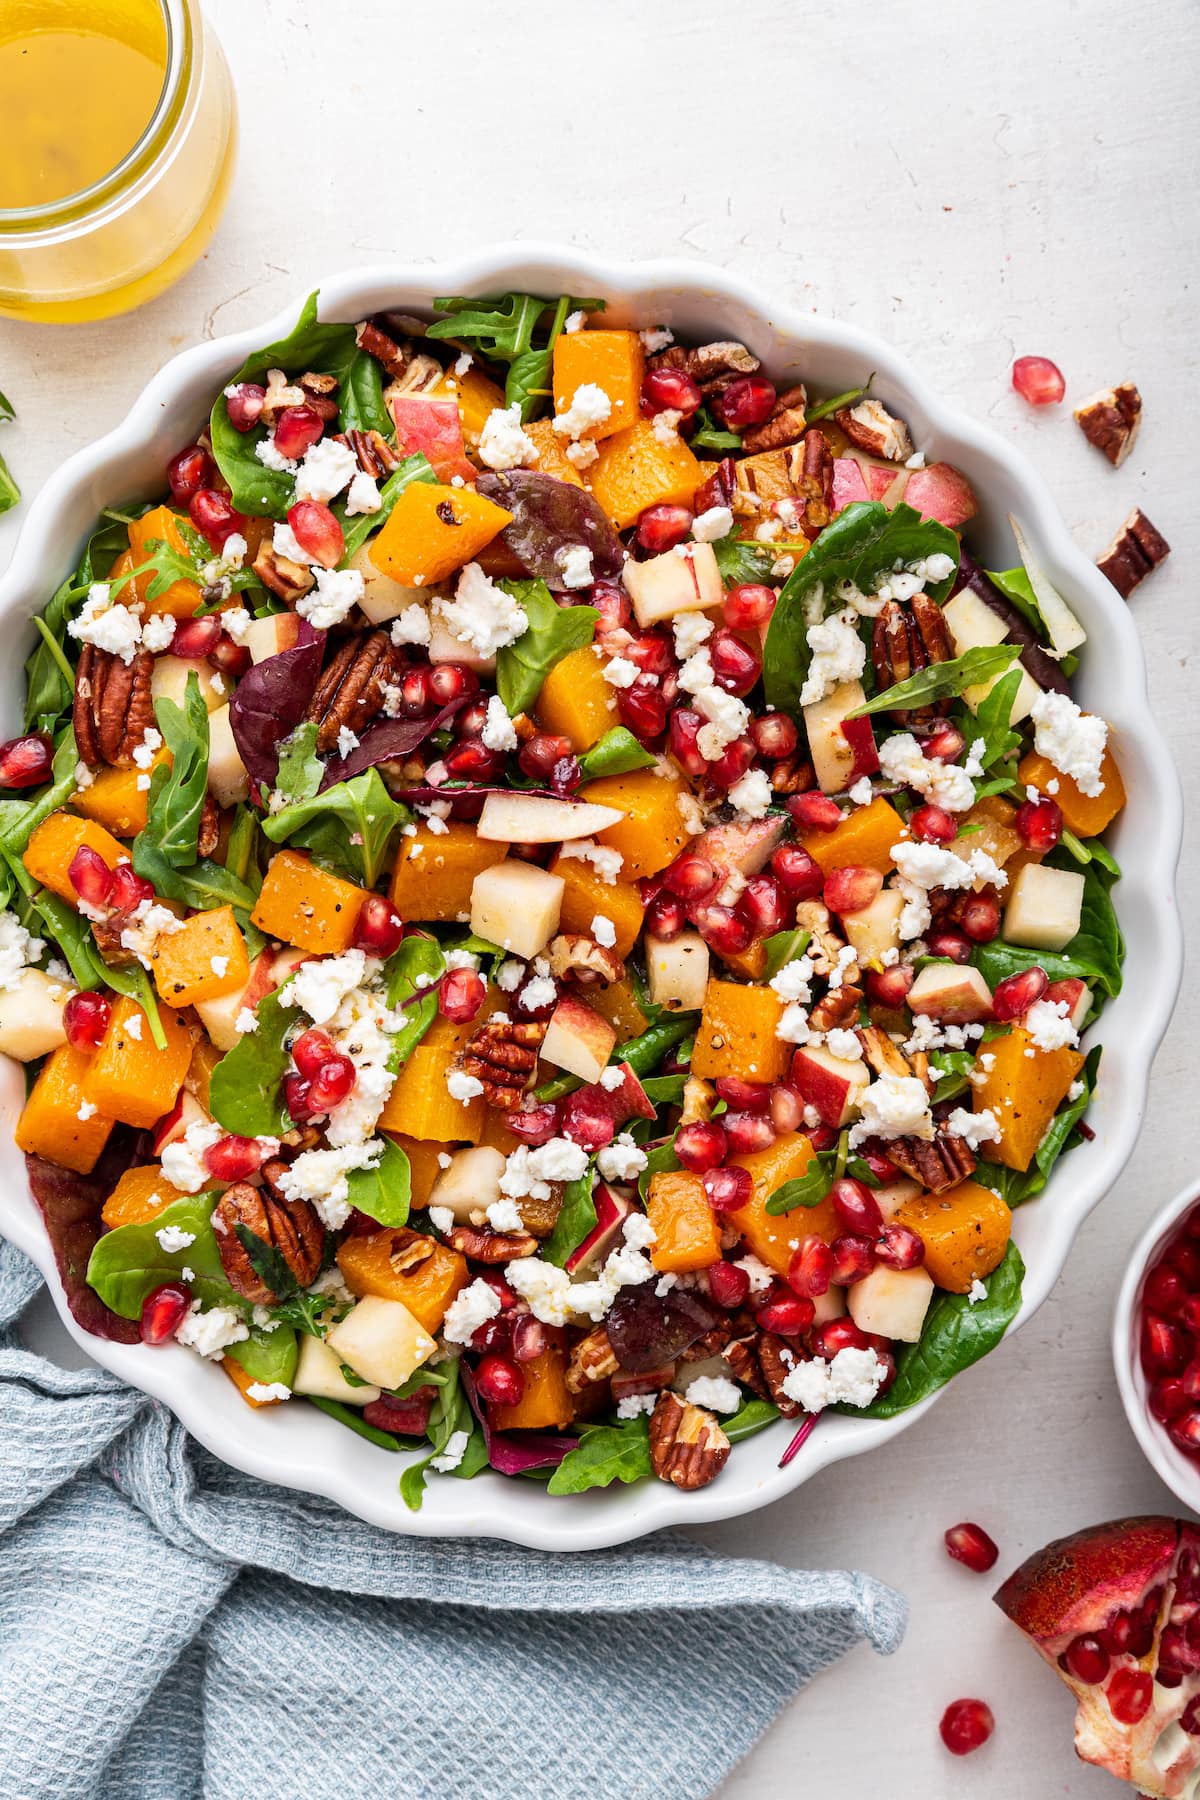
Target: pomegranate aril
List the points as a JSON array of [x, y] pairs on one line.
[[728, 1284], [665, 918], [691, 877], [461, 993], [91, 876], [748, 1132], [736, 667], [333, 1082], [762, 905], [232, 659], [1129, 1694], [815, 812], [853, 1259], [661, 527], [744, 1096], [732, 764], [966, 1726], [1017, 993], [85, 1020], [612, 603], [1039, 824], [311, 1049], [195, 639], [950, 944], [774, 736], [850, 889], [414, 691], [727, 1190], [471, 720], [528, 1338], [642, 709], [540, 754], [748, 605], [1164, 1348], [26, 761], [798, 873], [838, 1334], [746, 402], [652, 653], [471, 760], [535, 1124], [671, 390], [702, 1145], [493, 1334], [1087, 1660], [297, 429], [129, 890], [1189, 1312], [499, 1380], [944, 744], [1189, 1718], [1185, 1258], [379, 929], [810, 1268], [450, 681], [933, 825], [1168, 1399], [234, 1158], [1038, 380], [856, 1206], [790, 1317], [970, 1545], [899, 1247], [889, 987], [683, 731], [1185, 1432], [163, 1311], [244, 404], [979, 916], [787, 1108], [214, 518], [1165, 1291], [318, 533], [296, 1098], [188, 472]]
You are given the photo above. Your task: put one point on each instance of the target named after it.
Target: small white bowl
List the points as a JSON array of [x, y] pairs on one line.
[[1180, 1473]]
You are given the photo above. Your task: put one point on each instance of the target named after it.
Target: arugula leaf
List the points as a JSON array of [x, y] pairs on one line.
[[991, 722], [553, 632], [1095, 953], [350, 828], [267, 1356], [358, 529], [384, 1192], [808, 1189], [827, 407], [751, 1417], [451, 1412], [245, 1092], [352, 1419], [942, 680], [576, 1217], [709, 434], [606, 1453], [863, 542], [177, 794], [10, 493], [616, 753], [531, 373], [782, 948], [129, 1263], [502, 328], [1094, 850], [300, 768]]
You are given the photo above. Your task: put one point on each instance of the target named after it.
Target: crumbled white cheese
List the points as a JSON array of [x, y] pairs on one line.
[[843, 1044], [362, 497], [1048, 1023], [942, 784], [853, 1378], [530, 1170], [284, 542], [606, 861], [498, 732], [246, 1021], [691, 630], [502, 442], [540, 991], [236, 622], [612, 1078], [328, 467], [107, 624], [1072, 740], [619, 672], [716, 523], [320, 1177], [17, 949], [932, 866], [271, 457], [590, 405], [838, 655], [412, 626], [760, 1276], [583, 454], [655, 338], [622, 1160], [893, 1106], [463, 1087], [337, 592], [504, 1215], [147, 923], [159, 630], [469, 1310], [86, 1110], [456, 1448], [666, 425], [752, 795], [173, 1238], [975, 1128], [265, 1392], [211, 1333], [792, 981], [976, 1292], [321, 984], [634, 1405], [862, 792], [794, 1026], [481, 614], [603, 930], [575, 561], [347, 740], [727, 718], [510, 975], [716, 1392], [442, 1217]]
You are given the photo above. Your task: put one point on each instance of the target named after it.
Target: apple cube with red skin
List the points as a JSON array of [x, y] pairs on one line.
[[269, 970], [849, 484], [433, 428], [837, 745], [663, 586], [612, 1210], [1076, 994], [860, 735], [170, 1129], [271, 636], [628, 1101], [955, 993], [942, 492], [577, 1039], [832, 1084], [742, 847]]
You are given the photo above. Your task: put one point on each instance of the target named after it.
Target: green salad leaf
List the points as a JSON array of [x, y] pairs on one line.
[[384, 1192], [577, 1216], [300, 770], [49, 675], [751, 1417], [129, 1263], [826, 408], [245, 1092], [710, 434], [808, 1189], [412, 977], [661, 1160], [503, 329], [606, 1453], [553, 632], [349, 829], [741, 561], [267, 1356], [616, 753], [991, 724], [177, 793], [19, 819], [451, 1412], [352, 1419], [941, 681], [784, 947]]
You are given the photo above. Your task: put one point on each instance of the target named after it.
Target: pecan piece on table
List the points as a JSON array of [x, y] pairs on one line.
[[937, 1165], [291, 1237], [113, 708], [350, 691], [1111, 421], [687, 1446], [286, 579], [874, 429], [579, 958], [1134, 553], [503, 1056], [483, 1245], [592, 1359], [784, 426]]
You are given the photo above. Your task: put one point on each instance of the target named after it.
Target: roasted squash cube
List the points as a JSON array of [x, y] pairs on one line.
[[635, 469], [653, 832], [115, 800], [737, 1034], [586, 896], [619, 1005], [434, 873], [477, 395], [182, 597], [863, 839], [433, 531], [52, 848], [687, 1235], [426, 1287], [130, 1078], [204, 959], [552, 458], [775, 1239], [1023, 1093], [303, 905], [547, 1403], [50, 1124], [613, 361], [1087, 815], [139, 1196], [576, 702], [965, 1232], [420, 1104]]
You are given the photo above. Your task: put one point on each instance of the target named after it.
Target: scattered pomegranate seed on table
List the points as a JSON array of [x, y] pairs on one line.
[[970, 1545], [966, 1726], [1038, 380]]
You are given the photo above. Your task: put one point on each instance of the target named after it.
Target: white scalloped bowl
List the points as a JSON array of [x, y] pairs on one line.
[[296, 1445]]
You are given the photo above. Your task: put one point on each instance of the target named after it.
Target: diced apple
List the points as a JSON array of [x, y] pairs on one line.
[[973, 624], [228, 779], [886, 482], [875, 929], [953, 992], [381, 1341], [517, 818], [891, 1303], [444, 647], [628, 1101], [831, 752], [516, 905], [677, 971], [31, 1015], [319, 1372], [666, 585], [611, 1213], [892, 1195], [742, 847], [383, 598], [829, 1305], [272, 636], [168, 681], [434, 428], [470, 1184], [942, 492], [832, 1084], [849, 484], [1075, 994], [171, 1128], [1044, 907], [219, 1017], [577, 1039]]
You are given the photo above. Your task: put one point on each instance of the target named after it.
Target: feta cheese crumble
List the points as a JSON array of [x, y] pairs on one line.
[[716, 1392], [481, 614], [502, 442], [1072, 740], [853, 1378], [173, 1238], [839, 655], [590, 405], [893, 1106]]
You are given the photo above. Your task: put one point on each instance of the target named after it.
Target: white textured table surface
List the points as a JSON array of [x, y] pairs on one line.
[[976, 183]]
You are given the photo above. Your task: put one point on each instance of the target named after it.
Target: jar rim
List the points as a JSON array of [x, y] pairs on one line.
[[76, 207]]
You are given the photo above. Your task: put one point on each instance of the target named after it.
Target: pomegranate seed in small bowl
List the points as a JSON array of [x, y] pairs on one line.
[[1038, 380], [1156, 1346], [26, 761]]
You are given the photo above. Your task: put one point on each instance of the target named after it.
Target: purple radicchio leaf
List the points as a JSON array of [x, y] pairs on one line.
[[387, 741], [647, 1330], [551, 517], [270, 701], [70, 1207], [512, 1453]]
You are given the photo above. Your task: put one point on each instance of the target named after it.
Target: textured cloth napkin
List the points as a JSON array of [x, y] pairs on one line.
[[173, 1630]]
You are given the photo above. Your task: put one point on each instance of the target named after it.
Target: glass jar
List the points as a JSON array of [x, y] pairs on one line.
[[128, 236]]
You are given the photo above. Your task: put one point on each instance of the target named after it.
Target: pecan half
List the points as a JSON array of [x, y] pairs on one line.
[[784, 426], [394, 357], [113, 708], [503, 1055], [742, 1356], [289, 1229], [812, 472], [592, 1359], [699, 1098], [838, 1009], [905, 640], [208, 836], [1134, 553], [687, 1446], [1111, 420], [881, 1054], [350, 692], [409, 1249], [578, 958], [711, 366], [288, 580], [794, 775], [777, 1359], [824, 940], [319, 392], [375, 455], [874, 429], [937, 1165], [486, 1246]]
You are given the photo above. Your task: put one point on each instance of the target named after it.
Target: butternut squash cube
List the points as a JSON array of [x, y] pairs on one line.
[[863, 839], [552, 458], [52, 848], [420, 1105], [775, 1240], [182, 597], [139, 1196], [613, 361], [1023, 1093], [652, 833], [635, 470], [115, 800], [1087, 815], [477, 395], [586, 896], [434, 874], [737, 1034], [433, 530], [130, 1078], [576, 702], [50, 1124], [426, 1288], [203, 960], [687, 1235], [965, 1232], [619, 1005], [303, 905], [547, 1404]]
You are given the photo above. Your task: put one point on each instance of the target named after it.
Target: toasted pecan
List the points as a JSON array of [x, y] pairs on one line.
[[289, 1229], [687, 1446], [352, 686], [113, 706]]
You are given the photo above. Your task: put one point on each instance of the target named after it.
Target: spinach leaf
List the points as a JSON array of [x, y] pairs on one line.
[[751, 1417], [577, 1216], [709, 434], [616, 753], [1094, 850], [863, 542], [553, 632], [955, 1335], [664, 1090], [942, 680], [412, 977], [177, 793], [1095, 953], [782, 948], [741, 560], [451, 1412], [352, 1419], [358, 529], [129, 1263], [10, 493], [606, 1453], [350, 828], [503, 329], [1016, 586], [360, 397], [956, 1067], [662, 1160], [808, 1189], [165, 565], [300, 768], [530, 374], [268, 1356], [245, 1093], [383, 1193]]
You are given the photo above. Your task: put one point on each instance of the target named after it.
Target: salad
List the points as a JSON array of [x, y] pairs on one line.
[[550, 903]]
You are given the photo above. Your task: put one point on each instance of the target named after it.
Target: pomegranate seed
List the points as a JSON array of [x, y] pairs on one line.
[[414, 691], [232, 659], [671, 389], [528, 1338], [379, 929], [245, 404], [748, 605], [652, 653], [701, 1146], [889, 987], [499, 1381], [899, 1247], [471, 760], [26, 761], [665, 918], [163, 1311], [748, 401], [233, 1158], [85, 1020], [1190, 1312], [311, 1049], [748, 1132], [539, 756], [521, 1008], [1017, 993], [661, 527], [195, 638], [933, 825], [810, 1268], [787, 1318], [945, 744], [450, 681], [1164, 1351], [1038, 380], [774, 736], [744, 1096], [1186, 1259], [728, 1284], [590, 1125], [493, 1334], [188, 472], [736, 667], [787, 1108], [297, 429], [979, 916], [296, 1098], [1168, 1400], [333, 1082], [797, 872], [853, 1259], [1039, 824], [732, 764], [951, 944], [318, 533], [1086, 1659], [815, 812], [762, 906], [91, 876], [535, 1124], [691, 877], [856, 1206], [970, 1545], [684, 728], [642, 709], [461, 993], [1165, 1290], [850, 889], [966, 1726], [1185, 1432], [727, 1190], [838, 1334], [881, 1167], [1129, 1694], [128, 889], [214, 518], [471, 720], [612, 603]]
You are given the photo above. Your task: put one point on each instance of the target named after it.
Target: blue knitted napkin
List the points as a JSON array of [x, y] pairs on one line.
[[173, 1630]]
